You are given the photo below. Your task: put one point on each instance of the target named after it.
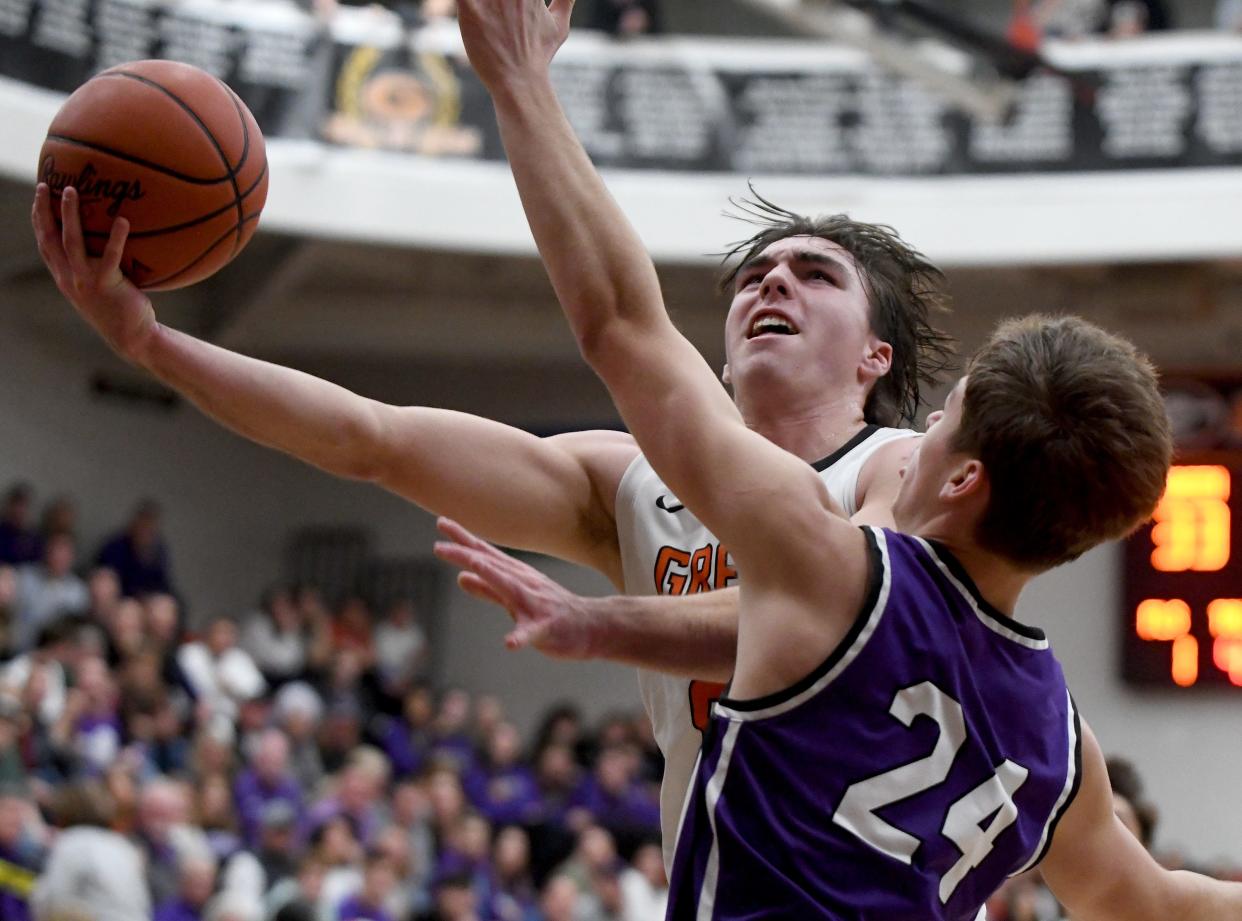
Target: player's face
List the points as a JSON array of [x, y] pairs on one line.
[[930, 465], [800, 311]]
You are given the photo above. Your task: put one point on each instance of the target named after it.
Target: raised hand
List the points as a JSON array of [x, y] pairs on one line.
[[508, 41], [545, 615], [105, 298]]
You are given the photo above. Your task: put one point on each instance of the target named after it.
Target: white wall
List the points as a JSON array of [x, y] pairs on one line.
[[228, 504]]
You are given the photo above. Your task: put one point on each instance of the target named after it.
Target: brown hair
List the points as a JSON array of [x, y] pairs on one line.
[[1070, 425], [903, 289], [83, 802]]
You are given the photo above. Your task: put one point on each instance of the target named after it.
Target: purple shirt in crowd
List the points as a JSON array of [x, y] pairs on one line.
[[508, 796], [177, 910], [19, 545], [16, 883], [253, 795], [354, 909], [406, 749], [632, 810]]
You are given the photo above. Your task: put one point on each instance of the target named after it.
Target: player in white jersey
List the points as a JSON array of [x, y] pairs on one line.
[[829, 331], [666, 550]]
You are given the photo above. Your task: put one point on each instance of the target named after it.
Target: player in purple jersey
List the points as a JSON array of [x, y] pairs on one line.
[[866, 763]]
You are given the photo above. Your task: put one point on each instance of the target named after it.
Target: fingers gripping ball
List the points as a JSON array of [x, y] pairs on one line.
[[172, 149]]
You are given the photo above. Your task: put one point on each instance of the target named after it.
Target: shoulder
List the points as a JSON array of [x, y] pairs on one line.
[[890, 453], [604, 455]]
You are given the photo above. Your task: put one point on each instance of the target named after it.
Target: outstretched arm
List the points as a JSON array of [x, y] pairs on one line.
[[1100, 872], [694, 637], [554, 495], [758, 499]]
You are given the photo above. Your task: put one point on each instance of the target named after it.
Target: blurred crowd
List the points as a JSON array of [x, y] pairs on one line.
[[291, 764]]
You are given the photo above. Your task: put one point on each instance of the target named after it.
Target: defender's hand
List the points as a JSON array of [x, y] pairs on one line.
[[546, 616], [510, 40], [105, 298]]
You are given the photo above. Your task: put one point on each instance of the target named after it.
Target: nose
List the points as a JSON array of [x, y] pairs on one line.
[[775, 283]]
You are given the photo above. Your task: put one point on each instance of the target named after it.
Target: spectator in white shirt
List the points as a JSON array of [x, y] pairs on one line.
[[644, 884], [221, 674], [49, 589], [400, 647], [92, 872], [275, 636]]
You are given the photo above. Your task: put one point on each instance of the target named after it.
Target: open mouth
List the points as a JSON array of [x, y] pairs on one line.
[[771, 324]]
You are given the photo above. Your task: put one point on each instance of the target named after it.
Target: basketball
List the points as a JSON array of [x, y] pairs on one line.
[[173, 150]]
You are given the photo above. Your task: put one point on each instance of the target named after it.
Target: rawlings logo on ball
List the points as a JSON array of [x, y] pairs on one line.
[[91, 185]]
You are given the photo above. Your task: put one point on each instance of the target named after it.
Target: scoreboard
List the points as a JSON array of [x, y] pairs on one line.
[[1182, 573], [1183, 581]]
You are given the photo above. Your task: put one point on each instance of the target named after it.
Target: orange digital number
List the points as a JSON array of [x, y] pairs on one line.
[[1163, 621], [1191, 529], [1225, 624]]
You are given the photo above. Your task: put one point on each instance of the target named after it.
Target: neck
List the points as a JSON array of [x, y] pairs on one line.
[[998, 580], [808, 428], [811, 436]]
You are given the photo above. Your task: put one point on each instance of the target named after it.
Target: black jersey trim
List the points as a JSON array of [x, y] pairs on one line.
[[959, 571], [864, 433], [875, 579], [1073, 794]]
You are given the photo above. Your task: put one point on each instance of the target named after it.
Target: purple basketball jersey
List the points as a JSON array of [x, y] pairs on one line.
[[925, 761]]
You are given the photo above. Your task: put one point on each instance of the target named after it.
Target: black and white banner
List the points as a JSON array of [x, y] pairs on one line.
[[365, 79]]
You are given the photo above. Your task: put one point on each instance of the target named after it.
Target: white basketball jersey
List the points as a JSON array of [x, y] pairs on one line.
[[666, 551]]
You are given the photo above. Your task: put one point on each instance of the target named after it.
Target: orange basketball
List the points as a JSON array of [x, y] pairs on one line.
[[172, 149]]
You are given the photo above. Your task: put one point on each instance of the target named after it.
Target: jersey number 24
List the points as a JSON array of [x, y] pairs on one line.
[[963, 822]]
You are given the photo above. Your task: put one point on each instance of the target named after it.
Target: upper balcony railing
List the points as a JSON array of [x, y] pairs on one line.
[[380, 131]]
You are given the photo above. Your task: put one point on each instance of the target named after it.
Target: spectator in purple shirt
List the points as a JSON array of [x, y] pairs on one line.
[[196, 880], [616, 799], [468, 848], [359, 788], [139, 555], [268, 780], [451, 739], [407, 739], [501, 786], [19, 542], [379, 880]]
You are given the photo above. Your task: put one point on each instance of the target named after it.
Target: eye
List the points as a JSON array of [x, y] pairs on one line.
[[820, 275], [752, 279]]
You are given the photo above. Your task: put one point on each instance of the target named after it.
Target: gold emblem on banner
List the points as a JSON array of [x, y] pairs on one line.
[[415, 106]]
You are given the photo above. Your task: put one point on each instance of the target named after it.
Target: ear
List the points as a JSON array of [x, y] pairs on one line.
[[877, 362], [968, 480], [725, 377]]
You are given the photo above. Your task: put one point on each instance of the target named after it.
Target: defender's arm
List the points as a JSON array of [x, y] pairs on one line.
[[1100, 872], [762, 501]]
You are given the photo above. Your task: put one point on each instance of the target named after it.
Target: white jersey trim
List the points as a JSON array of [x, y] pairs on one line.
[[1073, 777], [843, 662], [984, 617], [715, 786]]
